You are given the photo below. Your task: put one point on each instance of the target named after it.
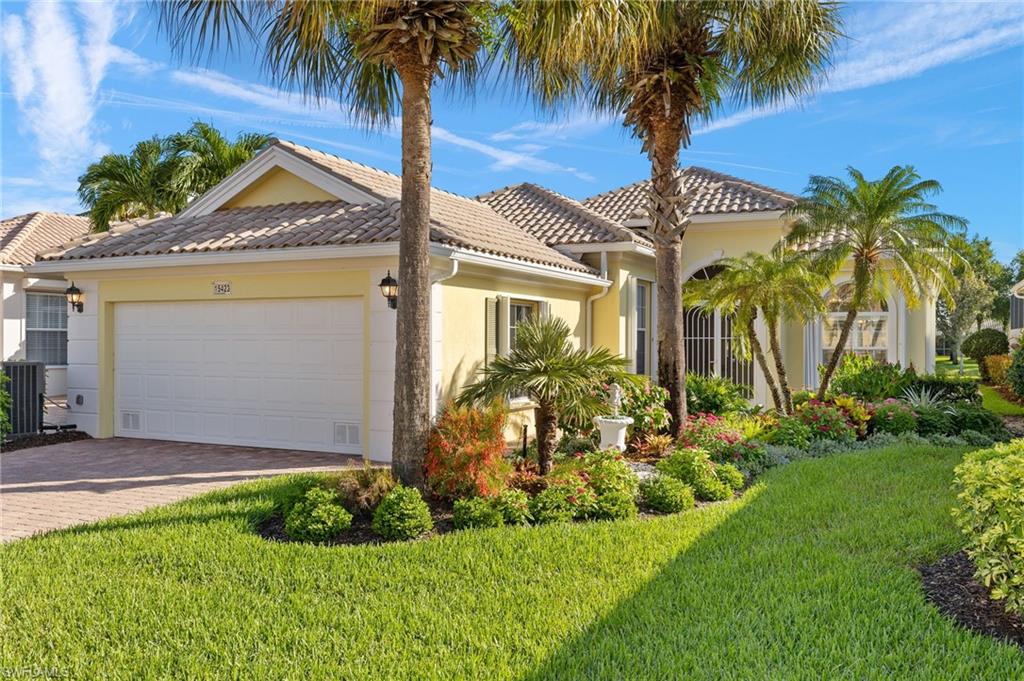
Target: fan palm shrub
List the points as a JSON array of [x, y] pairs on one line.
[[665, 65], [379, 57], [563, 381], [887, 230], [778, 287]]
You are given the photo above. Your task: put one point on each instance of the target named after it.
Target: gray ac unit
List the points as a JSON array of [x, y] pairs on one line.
[[26, 384]]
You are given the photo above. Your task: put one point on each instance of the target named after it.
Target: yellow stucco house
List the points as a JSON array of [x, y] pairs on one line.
[[254, 317]]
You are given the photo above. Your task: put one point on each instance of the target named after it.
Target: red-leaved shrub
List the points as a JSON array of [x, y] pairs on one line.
[[465, 454]]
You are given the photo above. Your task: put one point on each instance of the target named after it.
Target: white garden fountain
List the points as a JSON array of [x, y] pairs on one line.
[[613, 428]]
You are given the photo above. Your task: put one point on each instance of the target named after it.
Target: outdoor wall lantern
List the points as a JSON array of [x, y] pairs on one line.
[[389, 288], [74, 296]]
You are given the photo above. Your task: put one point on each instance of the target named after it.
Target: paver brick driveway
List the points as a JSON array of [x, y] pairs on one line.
[[59, 485]]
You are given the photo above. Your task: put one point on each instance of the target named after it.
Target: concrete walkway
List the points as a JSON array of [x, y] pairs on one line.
[[46, 488]]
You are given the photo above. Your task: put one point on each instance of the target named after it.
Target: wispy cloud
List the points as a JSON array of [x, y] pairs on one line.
[[505, 159], [894, 41], [574, 125]]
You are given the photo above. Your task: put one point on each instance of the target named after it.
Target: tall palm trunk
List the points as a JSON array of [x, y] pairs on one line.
[[762, 361], [780, 365], [411, 417], [547, 435], [833, 362], [665, 207]]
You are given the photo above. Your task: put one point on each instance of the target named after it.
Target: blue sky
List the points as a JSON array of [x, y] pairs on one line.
[[936, 85]]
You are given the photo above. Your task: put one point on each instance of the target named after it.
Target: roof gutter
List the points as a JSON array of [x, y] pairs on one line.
[[11, 268], [621, 246], [521, 266], [596, 297], [715, 218]]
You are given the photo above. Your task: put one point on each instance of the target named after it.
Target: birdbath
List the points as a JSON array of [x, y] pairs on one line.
[[613, 428]]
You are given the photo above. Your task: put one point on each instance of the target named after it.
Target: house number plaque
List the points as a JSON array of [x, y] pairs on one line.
[[221, 288]]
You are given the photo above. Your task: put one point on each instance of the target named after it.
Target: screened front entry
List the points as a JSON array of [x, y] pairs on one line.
[[709, 340]]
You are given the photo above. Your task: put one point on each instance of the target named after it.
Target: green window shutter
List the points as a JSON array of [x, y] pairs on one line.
[[490, 330]]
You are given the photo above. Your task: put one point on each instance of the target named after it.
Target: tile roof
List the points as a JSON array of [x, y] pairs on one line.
[[555, 219], [723, 195], [290, 225], [23, 236]]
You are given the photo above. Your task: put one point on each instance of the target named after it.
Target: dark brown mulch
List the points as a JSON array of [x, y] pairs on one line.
[[361, 531], [950, 585], [43, 439]]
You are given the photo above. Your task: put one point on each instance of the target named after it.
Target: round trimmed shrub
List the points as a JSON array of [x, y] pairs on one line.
[[615, 505], [893, 417], [663, 494], [976, 439], [476, 512], [730, 475], [790, 432], [981, 344], [552, 505], [1015, 374], [514, 506], [976, 418], [608, 471], [317, 517], [402, 514], [933, 421], [695, 468]]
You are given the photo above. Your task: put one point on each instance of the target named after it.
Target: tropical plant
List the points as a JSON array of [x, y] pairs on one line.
[[563, 381], [666, 64], [887, 229], [5, 407], [376, 56], [997, 367], [142, 184], [827, 421], [695, 468], [925, 397], [362, 490], [983, 343], [713, 395], [476, 512], [790, 432], [663, 494], [466, 452], [865, 377], [514, 506], [206, 157], [1015, 374], [952, 388], [644, 402], [893, 417], [778, 287]]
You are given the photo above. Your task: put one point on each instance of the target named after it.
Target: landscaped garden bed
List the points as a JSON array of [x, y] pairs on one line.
[[43, 439]]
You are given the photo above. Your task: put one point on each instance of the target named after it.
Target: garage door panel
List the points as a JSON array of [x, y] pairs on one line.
[[280, 373]]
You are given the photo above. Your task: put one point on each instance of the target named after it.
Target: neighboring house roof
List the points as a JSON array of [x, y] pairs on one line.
[[721, 195], [555, 219], [321, 223], [23, 236]]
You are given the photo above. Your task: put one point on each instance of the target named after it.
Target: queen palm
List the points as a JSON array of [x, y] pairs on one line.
[[207, 157], [144, 183], [665, 64], [886, 230], [782, 286], [563, 381], [376, 56]]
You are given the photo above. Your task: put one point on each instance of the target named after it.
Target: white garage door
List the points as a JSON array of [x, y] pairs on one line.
[[267, 373]]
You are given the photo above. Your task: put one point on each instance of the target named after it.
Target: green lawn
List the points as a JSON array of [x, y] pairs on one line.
[[810, 575], [990, 397]]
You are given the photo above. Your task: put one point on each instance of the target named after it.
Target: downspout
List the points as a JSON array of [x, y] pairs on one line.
[[435, 389], [596, 296]]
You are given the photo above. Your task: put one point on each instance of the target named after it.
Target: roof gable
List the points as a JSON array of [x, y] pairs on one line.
[[23, 236]]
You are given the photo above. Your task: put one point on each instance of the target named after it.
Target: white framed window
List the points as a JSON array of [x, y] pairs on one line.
[[643, 325], [46, 328], [519, 311], [870, 333]]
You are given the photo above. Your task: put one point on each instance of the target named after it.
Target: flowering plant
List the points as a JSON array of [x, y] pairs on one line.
[[465, 452], [826, 421]]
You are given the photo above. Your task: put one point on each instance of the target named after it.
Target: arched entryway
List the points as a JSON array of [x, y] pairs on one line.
[[709, 340]]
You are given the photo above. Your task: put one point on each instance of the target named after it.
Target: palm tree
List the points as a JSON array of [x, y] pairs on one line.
[[780, 287], [664, 64], [563, 381], [888, 232], [207, 157], [143, 183], [376, 56]]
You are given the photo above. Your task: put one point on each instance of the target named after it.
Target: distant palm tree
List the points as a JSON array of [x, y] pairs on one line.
[[665, 64], [782, 286], [207, 157], [886, 230], [360, 52], [143, 183], [560, 379]]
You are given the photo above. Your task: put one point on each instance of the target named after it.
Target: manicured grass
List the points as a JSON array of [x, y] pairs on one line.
[[809, 575], [944, 366]]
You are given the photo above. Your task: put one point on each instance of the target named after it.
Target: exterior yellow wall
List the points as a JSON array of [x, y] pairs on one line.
[[319, 279], [276, 187], [704, 241], [464, 328]]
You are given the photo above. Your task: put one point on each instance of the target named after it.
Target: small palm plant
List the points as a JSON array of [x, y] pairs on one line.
[[889, 233], [783, 286], [563, 381], [207, 157]]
